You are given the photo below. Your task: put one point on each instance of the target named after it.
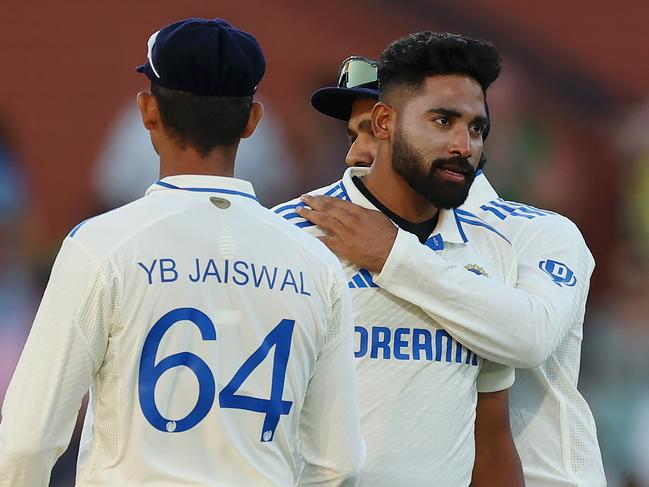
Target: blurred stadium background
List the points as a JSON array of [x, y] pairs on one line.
[[570, 133]]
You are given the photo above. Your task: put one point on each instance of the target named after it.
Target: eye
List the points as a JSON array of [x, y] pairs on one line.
[[477, 128], [442, 120]]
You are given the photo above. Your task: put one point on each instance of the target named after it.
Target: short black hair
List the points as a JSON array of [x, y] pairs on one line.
[[410, 59], [202, 122]]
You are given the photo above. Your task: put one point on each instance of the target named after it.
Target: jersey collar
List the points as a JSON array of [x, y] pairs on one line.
[[205, 184], [448, 227], [480, 193]]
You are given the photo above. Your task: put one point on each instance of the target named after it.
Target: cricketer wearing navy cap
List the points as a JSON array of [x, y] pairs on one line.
[[233, 65], [209, 352], [351, 100]]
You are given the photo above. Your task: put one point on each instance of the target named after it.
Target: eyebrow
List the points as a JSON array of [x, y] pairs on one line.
[[363, 126], [449, 112]]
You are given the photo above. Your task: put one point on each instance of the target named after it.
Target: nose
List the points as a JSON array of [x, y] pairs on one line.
[[461, 142], [361, 153]]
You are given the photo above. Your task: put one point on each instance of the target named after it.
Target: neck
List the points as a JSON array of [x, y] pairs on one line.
[[391, 190], [175, 160]]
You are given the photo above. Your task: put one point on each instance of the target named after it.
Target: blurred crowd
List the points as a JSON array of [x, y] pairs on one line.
[[541, 151]]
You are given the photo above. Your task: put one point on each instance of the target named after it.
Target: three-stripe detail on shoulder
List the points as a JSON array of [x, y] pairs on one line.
[[288, 211], [362, 279], [463, 216]]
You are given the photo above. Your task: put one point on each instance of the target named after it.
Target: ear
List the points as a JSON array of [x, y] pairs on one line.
[[383, 117], [148, 106], [256, 112]]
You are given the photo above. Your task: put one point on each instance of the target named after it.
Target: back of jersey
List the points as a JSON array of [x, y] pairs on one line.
[[225, 320]]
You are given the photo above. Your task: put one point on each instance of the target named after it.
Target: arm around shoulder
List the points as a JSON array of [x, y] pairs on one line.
[[517, 326]]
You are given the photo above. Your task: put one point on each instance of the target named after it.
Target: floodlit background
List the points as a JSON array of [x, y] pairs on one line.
[[570, 133]]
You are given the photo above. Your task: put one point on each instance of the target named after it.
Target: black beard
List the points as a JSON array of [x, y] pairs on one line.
[[408, 163]]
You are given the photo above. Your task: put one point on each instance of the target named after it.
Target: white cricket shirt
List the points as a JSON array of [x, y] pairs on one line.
[[418, 386], [210, 333], [536, 326]]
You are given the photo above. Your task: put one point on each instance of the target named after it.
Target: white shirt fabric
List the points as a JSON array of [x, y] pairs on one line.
[[215, 338], [536, 326], [418, 386]]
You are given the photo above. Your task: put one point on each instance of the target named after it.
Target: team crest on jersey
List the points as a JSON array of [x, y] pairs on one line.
[[560, 273], [476, 269]]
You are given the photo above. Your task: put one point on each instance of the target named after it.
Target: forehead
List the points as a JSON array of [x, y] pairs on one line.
[[457, 92], [362, 107]]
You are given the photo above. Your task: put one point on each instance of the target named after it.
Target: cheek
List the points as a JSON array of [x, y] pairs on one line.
[[432, 145], [428, 139], [476, 151], [427, 135], [368, 144]]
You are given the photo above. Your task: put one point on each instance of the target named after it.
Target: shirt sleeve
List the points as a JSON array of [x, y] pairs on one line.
[[495, 377], [516, 326], [63, 351], [332, 446]]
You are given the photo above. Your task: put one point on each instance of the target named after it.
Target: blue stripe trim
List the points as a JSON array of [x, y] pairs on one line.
[[367, 276], [459, 226], [493, 210], [526, 208], [344, 194], [289, 207], [436, 242], [334, 189], [466, 214], [521, 206], [305, 223], [350, 284], [533, 211], [292, 206], [209, 190], [359, 281], [501, 204], [78, 226], [290, 216], [467, 217]]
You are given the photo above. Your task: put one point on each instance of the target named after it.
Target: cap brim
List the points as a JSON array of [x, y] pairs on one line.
[[337, 102], [146, 70]]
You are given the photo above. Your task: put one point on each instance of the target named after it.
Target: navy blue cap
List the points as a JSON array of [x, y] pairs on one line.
[[337, 102], [205, 57]]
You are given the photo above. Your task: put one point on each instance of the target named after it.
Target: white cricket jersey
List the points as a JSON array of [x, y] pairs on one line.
[[536, 326], [210, 333], [418, 386]]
